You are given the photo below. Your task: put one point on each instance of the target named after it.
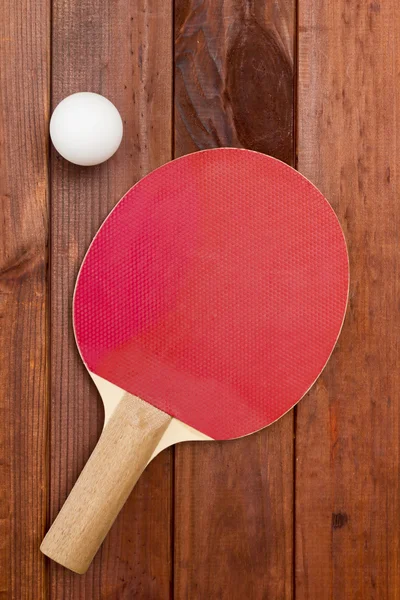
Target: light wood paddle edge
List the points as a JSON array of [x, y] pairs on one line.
[[176, 431]]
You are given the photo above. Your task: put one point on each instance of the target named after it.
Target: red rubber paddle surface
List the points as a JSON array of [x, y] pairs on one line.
[[215, 290]]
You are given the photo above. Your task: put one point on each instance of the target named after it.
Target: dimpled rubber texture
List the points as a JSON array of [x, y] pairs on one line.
[[215, 290]]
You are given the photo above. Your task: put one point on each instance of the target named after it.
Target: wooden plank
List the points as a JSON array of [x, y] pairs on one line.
[[124, 51], [348, 490], [234, 500], [24, 109]]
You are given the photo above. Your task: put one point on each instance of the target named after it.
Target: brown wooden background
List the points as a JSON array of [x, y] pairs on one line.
[[310, 508]]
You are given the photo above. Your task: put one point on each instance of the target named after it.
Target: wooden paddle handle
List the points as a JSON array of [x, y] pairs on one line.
[[122, 452]]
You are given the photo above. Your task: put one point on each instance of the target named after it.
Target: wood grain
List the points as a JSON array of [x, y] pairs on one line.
[[233, 501], [234, 86], [24, 111], [121, 50], [348, 490]]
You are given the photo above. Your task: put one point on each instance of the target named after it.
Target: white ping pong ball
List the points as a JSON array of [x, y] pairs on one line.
[[86, 128]]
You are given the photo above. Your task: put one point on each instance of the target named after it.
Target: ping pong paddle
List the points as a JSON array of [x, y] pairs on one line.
[[207, 305]]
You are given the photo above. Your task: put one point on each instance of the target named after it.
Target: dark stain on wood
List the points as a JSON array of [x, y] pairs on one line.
[[339, 520], [259, 86], [234, 85], [205, 121], [375, 7]]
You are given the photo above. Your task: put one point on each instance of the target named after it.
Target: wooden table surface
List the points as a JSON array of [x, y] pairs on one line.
[[310, 508]]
